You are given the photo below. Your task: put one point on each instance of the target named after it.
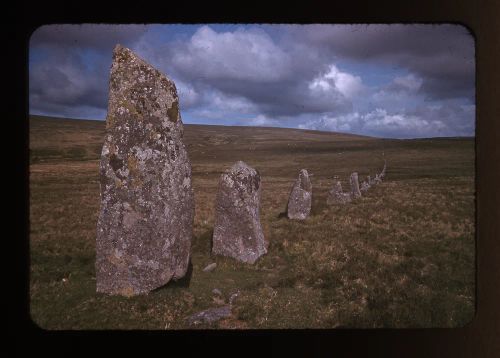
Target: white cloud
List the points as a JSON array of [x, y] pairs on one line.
[[441, 120], [245, 54], [335, 80], [262, 120], [217, 105]]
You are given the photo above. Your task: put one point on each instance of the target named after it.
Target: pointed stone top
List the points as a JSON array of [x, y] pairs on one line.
[[121, 52], [242, 167], [304, 181], [125, 57], [139, 92]]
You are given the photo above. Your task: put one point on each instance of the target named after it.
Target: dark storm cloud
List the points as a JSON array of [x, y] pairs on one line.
[[97, 37], [442, 55], [72, 71], [250, 64], [409, 79]]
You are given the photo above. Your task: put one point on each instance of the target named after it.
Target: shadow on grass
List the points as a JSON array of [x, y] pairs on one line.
[[282, 215], [179, 283]]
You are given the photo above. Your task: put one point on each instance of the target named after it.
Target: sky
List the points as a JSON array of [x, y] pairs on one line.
[[392, 81]]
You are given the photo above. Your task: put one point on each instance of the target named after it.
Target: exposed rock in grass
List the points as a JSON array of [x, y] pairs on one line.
[[237, 230], [210, 267], [209, 315], [299, 201], [145, 223]]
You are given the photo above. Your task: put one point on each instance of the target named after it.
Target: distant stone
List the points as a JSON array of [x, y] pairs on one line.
[[210, 267], [337, 196], [365, 185], [299, 201], [377, 179], [217, 292], [209, 315], [237, 229], [382, 173], [355, 192], [145, 223]]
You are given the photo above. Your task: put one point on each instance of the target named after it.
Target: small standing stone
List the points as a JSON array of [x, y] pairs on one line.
[[337, 196], [365, 184], [382, 174], [237, 230], [299, 201], [145, 223], [355, 192]]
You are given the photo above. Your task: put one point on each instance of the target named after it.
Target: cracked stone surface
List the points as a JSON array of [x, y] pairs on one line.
[[145, 223], [299, 201], [237, 229], [355, 192]]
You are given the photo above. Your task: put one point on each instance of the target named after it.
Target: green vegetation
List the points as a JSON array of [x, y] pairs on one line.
[[401, 256]]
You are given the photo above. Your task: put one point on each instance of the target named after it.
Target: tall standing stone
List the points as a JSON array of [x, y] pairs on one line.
[[237, 229], [355, 192], [145, 223], [299, 201], [337, 196]]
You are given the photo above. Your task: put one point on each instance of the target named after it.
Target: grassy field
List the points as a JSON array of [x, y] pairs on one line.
[[403, 255]]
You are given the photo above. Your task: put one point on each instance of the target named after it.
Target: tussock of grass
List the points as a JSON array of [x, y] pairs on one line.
[[400, 256]]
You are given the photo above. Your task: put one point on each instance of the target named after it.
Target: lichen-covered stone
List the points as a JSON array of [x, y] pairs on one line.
[[299, 201], [145, 224], [355, 192], [337, 196], [237, 229]]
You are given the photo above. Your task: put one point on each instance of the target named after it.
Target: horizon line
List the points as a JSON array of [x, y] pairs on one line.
[[263, 127]]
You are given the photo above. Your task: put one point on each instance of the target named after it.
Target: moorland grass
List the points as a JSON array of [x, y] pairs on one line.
[[400, 256]]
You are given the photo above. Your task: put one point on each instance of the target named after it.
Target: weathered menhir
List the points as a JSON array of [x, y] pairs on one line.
[[145, 224], [300, 199], [237, 229]]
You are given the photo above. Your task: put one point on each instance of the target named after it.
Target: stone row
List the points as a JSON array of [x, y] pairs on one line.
[[145, 223], [337, 196]]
